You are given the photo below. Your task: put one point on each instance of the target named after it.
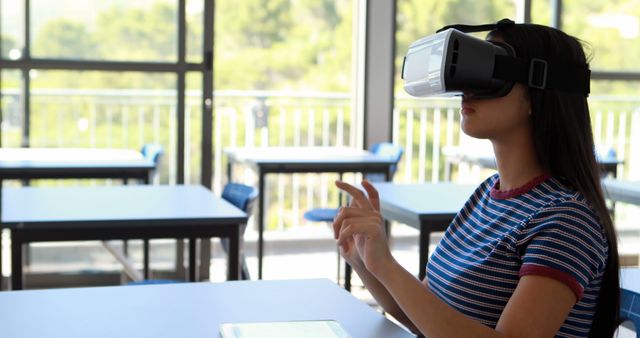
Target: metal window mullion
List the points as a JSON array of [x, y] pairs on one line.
[[526, 13], [181, 88], [1, 119], [59, 64], [620, 76], [207, 93], [26, 81], [556, 14], [375, 99]]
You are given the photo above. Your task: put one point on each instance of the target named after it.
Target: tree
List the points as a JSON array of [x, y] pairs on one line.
[[62, 38]]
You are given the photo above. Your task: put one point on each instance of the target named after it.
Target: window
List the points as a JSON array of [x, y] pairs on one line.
[[424, 126], [104, 74], [104, 30], [11, 107], [611, 28]]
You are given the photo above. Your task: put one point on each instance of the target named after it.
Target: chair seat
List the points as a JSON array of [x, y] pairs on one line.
[[321, 214]]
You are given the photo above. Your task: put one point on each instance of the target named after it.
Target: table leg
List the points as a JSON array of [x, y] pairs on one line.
[[233, 258], [205, 258], [145, 257], [347, 276], [180, 271], [192, 259], [1, 276], [261, 226], [447, 170], [424, 251], [1, 237], [16, 263]]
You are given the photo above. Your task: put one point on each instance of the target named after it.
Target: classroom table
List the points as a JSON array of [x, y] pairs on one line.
[[622, 191], [76, 163], [193, 310], [44, 214], [428, 207], [485, 158], [66, 163], [282, 160]]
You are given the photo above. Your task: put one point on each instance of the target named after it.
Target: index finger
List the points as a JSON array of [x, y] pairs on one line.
[[356, 194], [374, 197]]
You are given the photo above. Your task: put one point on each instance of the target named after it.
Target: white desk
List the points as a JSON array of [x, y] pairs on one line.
[[47, 214], [191, 310], [281, 160], [59, 163]]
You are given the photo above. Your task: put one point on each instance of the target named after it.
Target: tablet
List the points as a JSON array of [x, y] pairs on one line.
[[297, 329]]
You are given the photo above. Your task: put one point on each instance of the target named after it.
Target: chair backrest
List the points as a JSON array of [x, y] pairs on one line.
[[152, 152], [240, 195], [389, 150]]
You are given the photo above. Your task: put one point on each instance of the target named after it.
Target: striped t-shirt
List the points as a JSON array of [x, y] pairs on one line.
[[543, 228]]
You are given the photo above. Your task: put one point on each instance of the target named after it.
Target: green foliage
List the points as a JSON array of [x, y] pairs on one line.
[[418, 18], [613, 42], [62, 38], [283, 44], [138, 34]]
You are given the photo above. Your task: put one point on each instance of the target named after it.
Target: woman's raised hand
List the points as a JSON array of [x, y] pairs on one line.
[[359, 228]]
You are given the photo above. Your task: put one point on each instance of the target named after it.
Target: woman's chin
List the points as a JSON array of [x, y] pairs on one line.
[[469, 130]]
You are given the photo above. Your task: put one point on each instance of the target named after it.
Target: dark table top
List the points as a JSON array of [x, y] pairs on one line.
[[33, 207], [414, 203], [184, 310]]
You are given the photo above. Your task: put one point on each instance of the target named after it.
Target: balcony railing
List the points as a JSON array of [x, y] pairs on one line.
[[130, 118]]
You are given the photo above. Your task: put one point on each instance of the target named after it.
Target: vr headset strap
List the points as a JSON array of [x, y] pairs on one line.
[[539, 74], [504, 23]]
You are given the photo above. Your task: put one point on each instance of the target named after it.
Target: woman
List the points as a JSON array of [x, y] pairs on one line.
[[533, 251]]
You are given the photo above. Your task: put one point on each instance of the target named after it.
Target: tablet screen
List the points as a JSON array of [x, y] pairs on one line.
[[298, 329]]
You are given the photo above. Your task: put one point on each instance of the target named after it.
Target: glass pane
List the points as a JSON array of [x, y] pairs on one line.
[[418, 18], [193, 129], [427, 125], [615, 119], [283, 76], [195, 25], [616, 122], [105, 110], [283, 45], [612, 28], [11, 29], [120, 30], [11, 107]]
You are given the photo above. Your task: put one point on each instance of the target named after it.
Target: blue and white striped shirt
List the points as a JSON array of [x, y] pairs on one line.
[[543, 228]]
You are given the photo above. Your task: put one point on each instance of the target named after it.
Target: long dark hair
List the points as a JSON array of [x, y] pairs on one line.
[[565, 148]]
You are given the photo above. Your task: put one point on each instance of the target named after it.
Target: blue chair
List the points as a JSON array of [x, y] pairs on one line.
[[629, 309], [386, 149], [243, 197], [153, 152]]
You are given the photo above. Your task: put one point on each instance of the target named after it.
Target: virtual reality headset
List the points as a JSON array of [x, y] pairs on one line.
[[452, 62]]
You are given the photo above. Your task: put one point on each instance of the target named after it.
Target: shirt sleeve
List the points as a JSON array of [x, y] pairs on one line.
[[565, 242]]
